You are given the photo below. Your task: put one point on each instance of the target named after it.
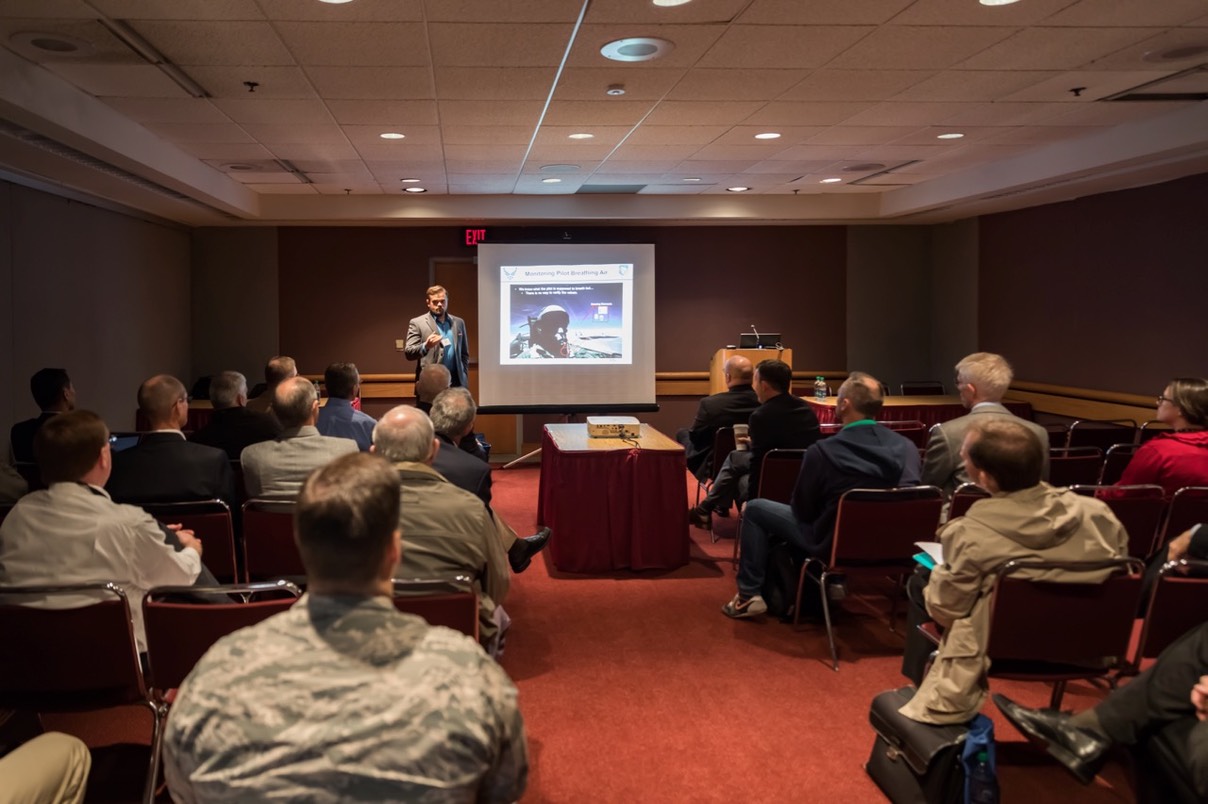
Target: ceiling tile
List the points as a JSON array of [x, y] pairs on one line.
[[654, 153], [490, 113], [783, 46], [675, 135], [604, 112], [1134, 57], [215, 43], [413, 135], [1116, 113], [271, 134], [178, 9], [970, 13], [637, 168], [589, 83], [169, 110], [360, 11], [226, 151], [1128, 13], [547, 154], [708, 85], [1094, 85], [486, 135], [303, 151], [1004, 114], [793, 113], [283, 189], [854, 85], [497, 45], [254, 109], [350, 44], [513, 11], [118, 80], [46, 9], [409, 153], [789, 135], [973, 85], [822, 12], [487, 83], [691, 42], [201, 132], [699, 113], [891, 113], [325, 185], [647, 14], [601, 135], [483, 185], [372, 83], [1038, 134], [909, 47], [469, 166], [389, 114], [1053, 48], [272, 82], [496, 153], [861, 135]]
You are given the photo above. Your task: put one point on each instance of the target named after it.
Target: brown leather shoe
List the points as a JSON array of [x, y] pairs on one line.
[[700, 518]]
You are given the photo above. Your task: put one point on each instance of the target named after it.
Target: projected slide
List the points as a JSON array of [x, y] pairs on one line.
[[578, 314]]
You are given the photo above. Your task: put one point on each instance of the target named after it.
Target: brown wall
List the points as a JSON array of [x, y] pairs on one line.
[[1107, 292]]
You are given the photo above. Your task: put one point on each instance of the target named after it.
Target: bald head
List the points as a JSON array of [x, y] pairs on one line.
[[405, 434], [164, 401], [295, 403], [432, 380], [738, 371], [859, 397]]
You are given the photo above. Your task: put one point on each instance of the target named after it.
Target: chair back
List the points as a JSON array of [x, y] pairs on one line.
[[1102, 433], [723, 445], [1139, 509], [1177, 603], [451, 603], [179, 633], [1096, 616], [1059, 435], [1075, 465], [922, 388], [877, 528], [778, 474], [915, 430], [1151, 428], [1188, 507], [269, 550], [1115, 461], [828, 429], [965, 495], [68, 659], [210, 521]]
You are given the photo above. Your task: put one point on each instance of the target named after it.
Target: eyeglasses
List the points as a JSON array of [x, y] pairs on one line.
[[1162, 399]]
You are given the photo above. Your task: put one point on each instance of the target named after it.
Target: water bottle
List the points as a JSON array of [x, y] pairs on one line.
[[983, 786], [820, 389]]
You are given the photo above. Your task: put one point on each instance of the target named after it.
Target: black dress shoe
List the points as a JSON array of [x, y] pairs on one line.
[[701, 518], [521, 553], [1083, 752]]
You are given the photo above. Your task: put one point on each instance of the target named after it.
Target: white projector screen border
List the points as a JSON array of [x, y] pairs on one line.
[[602, 364]]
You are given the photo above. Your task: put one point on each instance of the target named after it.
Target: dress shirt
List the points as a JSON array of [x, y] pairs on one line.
[[339, 419]]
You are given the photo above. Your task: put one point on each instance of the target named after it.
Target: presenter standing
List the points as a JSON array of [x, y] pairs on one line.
[[437, 337]]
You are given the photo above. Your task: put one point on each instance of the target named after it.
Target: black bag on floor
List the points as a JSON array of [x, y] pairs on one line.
[[912, 762]]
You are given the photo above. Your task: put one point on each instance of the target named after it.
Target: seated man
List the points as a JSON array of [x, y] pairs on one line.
[[981, 380], [73, 533], [52, 768], [726, 409], [163, 466], [233, 427], [432, 380], [274, 470], [446, 530], [343, 697], [1168, 701], [1023, 518], [782, 421], [863, 454], [453, 413], [338, 418], [53, 392], [276, 371]]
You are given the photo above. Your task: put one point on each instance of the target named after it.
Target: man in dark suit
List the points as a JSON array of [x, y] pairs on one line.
[[233, 426], [453, 413], [54, 393], [726, 409], [782, 421], [438, 337], [163, 466]]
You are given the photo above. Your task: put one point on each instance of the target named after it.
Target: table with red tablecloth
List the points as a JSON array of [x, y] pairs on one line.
[[927, 409], [612, 503]]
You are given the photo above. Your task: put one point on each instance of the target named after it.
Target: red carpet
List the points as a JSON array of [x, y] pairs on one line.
[[635, 688]]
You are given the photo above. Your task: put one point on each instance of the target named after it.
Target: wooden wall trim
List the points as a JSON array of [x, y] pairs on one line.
[[1082, 403]]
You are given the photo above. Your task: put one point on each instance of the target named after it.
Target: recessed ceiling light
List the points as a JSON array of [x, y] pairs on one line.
[[737, 189], [831, 180], [767, 135], [335, 2], [39, 44], [615, 90], [410, 181], [951, 135], [582, 136], [670, 3], [997, 2], [414, 190], [692, 178], [550, 181], [392, 135], [636, 48]]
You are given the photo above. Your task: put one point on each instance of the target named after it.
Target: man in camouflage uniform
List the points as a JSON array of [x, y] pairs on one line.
[[343, 698]]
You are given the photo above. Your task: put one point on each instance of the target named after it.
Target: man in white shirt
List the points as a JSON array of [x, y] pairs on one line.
[[72, 532]]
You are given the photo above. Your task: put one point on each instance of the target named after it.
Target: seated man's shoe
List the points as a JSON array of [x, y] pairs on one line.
[[1082, 752], [836, 588], [740, 609], [521, 553], [700, 517]]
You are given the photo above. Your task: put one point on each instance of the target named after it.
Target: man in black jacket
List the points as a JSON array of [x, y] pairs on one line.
[[726, 409], [782, 421], [233, 426], [54, 393]]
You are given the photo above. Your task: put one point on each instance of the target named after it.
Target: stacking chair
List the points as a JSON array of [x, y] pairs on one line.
[[1188, 506], [915, 430], [1150, 429], [269, 550], [1029, 641], [1059, 435], [723, 445], [1102, 433], [777, 479], [1139, 509], [1176, 604], [452, 603], [1075, 465], [1115, 461], [828, 429], [922, 388], [965, 495], [210, 520], [74, 660], [875, 532]]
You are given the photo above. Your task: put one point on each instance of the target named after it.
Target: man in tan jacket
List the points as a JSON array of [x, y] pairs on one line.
[[1023, 518]]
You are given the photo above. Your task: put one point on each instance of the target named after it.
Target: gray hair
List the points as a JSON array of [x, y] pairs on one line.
[[225, 389], [453, 411], [404, 434], [990, 373]]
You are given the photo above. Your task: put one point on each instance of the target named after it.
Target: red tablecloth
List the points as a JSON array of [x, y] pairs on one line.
[[927, 409], [612, 505]]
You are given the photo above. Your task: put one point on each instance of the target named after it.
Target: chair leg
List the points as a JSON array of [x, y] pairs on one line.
[[800, 588], [159, 713], [830, 633], [1058, 694]]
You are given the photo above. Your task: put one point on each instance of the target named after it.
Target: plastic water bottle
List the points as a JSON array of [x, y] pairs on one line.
[[820, 389], [983, 786]]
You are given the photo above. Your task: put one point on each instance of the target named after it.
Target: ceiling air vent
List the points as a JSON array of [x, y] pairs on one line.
[[615, 189]]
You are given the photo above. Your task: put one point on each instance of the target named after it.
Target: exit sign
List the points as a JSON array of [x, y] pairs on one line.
[[475, 236]]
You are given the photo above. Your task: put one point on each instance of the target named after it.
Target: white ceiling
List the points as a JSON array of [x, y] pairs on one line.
[[487, 93]]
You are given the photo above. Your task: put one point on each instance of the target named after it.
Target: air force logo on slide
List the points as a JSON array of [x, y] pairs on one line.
[[509, 272], [624, 269]]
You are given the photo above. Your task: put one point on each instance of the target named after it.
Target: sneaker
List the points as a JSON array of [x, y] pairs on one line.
[[741, 609]]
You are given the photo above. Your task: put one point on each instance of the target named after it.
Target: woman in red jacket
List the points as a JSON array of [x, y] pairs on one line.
[[1178, 458]]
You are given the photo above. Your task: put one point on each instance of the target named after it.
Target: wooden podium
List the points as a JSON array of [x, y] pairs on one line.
[[717, 376]]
